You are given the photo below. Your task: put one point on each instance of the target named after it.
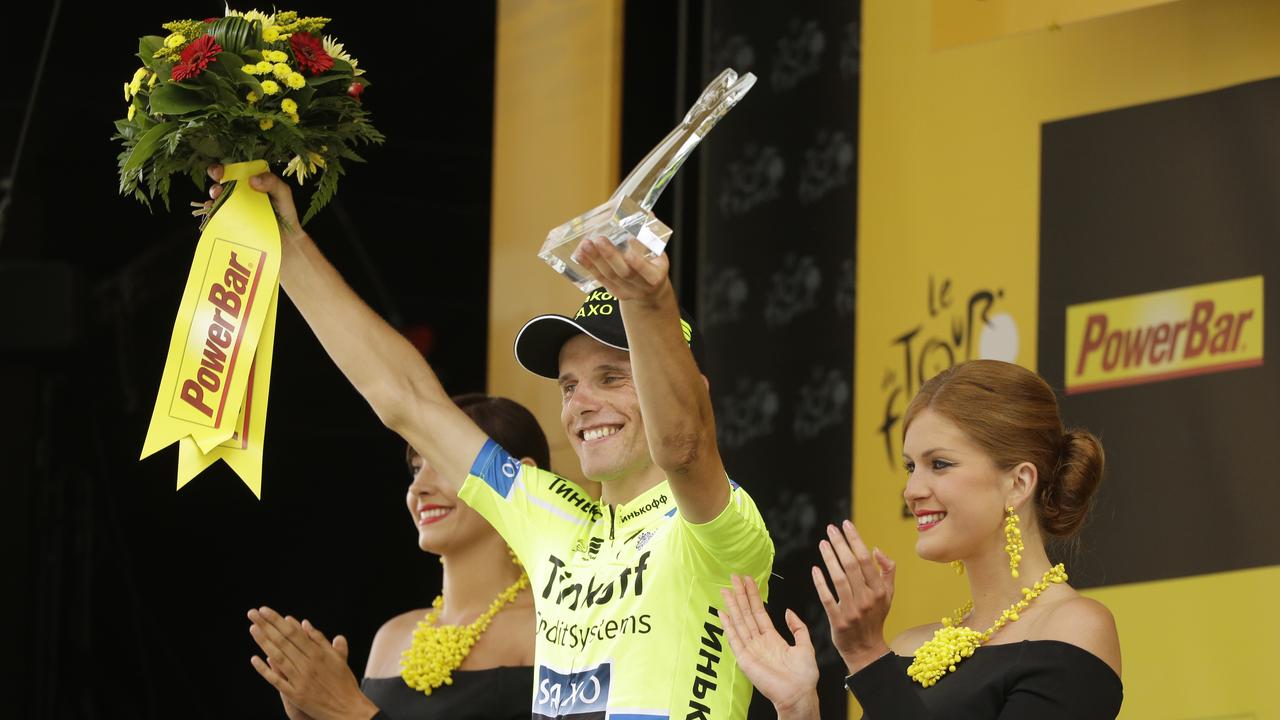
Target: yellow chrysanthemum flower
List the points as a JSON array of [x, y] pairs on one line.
[[152, 81], [295, 81], [135, 86], [293, 118], [252, 97], [270, 34], [133, 109], [281, 71], [269, 87], [264, 67], [174, 40], [139, 74], [276, 55], [128, 92], [266, 123], [289, 105], [251, 68]]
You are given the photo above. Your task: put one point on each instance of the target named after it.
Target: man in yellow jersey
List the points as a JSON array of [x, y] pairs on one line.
[[626, 588]]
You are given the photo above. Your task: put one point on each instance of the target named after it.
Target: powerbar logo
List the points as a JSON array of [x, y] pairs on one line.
[[1164, 335], [217, 327]]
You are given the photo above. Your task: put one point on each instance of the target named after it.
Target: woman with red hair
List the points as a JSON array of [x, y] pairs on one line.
[[991, 474]]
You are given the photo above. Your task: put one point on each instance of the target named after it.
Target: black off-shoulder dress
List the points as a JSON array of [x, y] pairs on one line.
[[1041, 679], [502, 693]]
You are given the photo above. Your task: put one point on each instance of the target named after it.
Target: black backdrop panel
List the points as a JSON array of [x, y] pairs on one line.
[[775, 281], [1158, 197]]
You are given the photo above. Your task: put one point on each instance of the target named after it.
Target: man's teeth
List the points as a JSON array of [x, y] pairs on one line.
[[929, 519], [433, 513], [597, 433]]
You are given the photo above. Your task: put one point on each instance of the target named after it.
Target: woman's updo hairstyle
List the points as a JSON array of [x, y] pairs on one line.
[[1012, 414]]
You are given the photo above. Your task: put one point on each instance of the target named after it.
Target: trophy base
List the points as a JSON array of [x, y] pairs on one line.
[[620, 221]]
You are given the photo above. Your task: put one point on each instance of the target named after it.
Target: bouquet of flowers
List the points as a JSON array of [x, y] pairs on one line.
[[248, 86], [249, 91]]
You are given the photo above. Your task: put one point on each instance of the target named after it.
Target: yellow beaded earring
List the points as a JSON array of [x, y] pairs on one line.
[[1012, 539], [957, 566]]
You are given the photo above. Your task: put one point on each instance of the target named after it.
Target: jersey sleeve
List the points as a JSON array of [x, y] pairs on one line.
[[736, 541], [524, 503]]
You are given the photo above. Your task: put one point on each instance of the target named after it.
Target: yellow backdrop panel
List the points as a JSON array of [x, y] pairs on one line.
[[948, 225], [557, 113], [956, 22]]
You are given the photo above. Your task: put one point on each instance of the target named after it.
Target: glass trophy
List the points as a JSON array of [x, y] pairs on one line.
[[628, 215]]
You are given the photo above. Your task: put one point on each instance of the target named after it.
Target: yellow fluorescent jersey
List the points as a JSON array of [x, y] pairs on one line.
[[627, 598]]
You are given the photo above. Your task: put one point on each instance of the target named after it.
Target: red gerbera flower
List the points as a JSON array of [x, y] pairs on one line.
[[196, 57], [309, 52]]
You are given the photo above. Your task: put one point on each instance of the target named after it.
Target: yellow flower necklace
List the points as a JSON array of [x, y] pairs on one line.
[[437, 651], [953, 642]]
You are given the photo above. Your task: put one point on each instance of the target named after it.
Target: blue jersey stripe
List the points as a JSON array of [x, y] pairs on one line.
[[496, 467]]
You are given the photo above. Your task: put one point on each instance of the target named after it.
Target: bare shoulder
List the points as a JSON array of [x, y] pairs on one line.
[[392, 639], [908, 640], [1085, 623], [508, 642]]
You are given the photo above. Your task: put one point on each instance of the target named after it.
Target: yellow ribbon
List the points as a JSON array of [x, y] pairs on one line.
[[213, 393]]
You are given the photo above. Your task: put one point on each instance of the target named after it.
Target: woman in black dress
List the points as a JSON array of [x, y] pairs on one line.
[[990, 473], [469, 656]]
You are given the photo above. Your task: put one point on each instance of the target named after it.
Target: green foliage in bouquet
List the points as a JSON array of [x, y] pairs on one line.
[[249, 86]]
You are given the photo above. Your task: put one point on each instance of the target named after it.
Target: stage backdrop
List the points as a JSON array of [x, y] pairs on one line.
[[556, 123], [1056, 197], [775, 292]]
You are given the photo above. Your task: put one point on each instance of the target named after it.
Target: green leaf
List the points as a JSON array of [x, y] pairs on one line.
[[327, 78], [325, 190], [147, 47], [341, 66], [207, 145], [235, 34], [146, 147], [172, 99], [229, 65], [224, 91], [303, 97], [350, 154]]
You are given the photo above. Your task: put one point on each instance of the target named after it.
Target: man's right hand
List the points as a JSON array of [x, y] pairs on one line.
[[281, 199]]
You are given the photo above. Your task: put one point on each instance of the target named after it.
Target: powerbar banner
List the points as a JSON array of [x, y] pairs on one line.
[[1157, 246], [213, 394]]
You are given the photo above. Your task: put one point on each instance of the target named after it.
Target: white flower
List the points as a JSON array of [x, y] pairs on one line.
[[251, 15], [338, 52]]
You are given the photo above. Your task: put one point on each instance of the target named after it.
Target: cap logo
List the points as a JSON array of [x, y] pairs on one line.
[[596, 309], [597, 303]]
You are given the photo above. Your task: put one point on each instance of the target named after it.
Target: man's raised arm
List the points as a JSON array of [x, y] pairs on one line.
[[674, 400], [386, 369]]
